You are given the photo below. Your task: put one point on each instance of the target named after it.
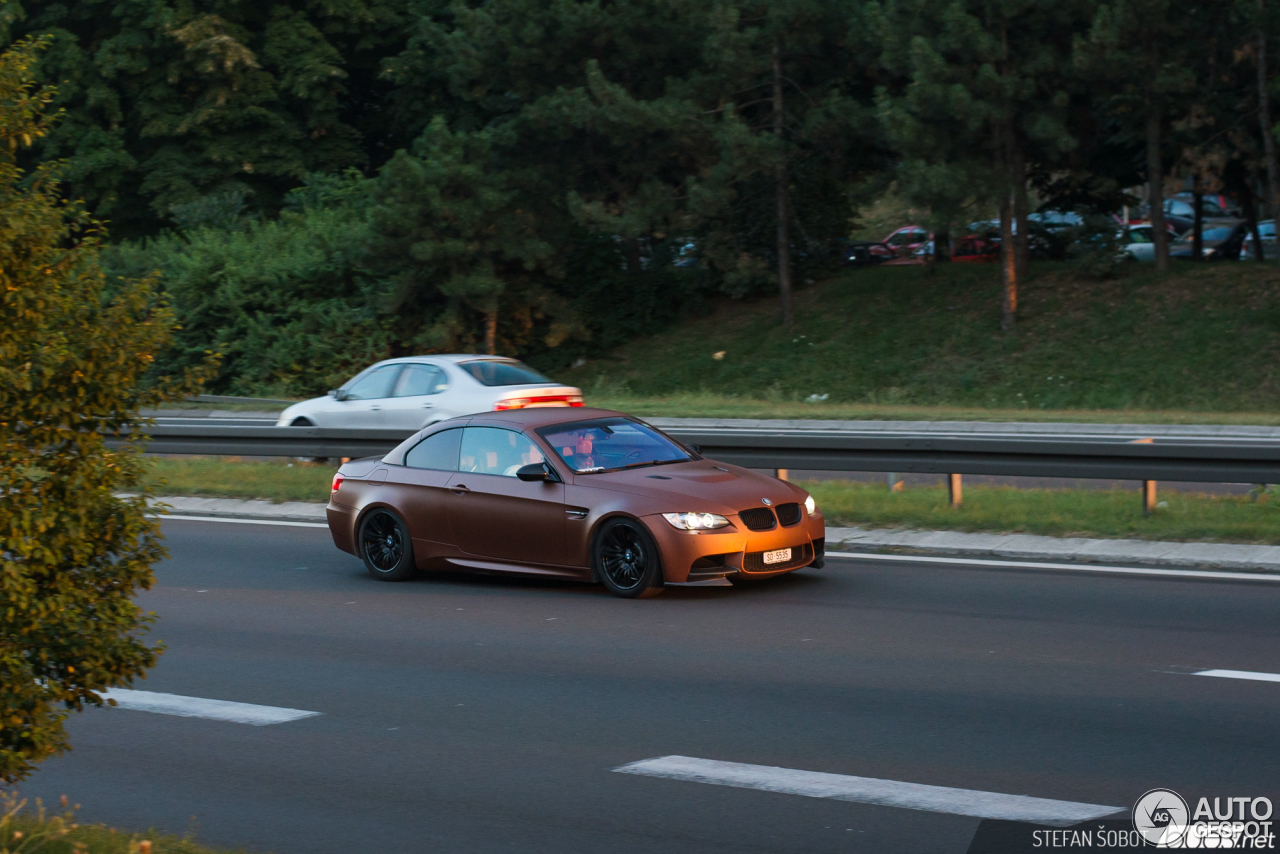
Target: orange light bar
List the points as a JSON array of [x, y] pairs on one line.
[[541, 400]]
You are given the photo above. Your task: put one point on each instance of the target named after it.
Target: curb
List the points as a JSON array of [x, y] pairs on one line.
[[245, 510]]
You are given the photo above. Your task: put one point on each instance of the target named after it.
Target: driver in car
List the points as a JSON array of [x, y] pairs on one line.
[[580, 454]]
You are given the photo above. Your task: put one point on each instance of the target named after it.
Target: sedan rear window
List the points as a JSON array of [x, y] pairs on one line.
[[609, 444], [502, 373]]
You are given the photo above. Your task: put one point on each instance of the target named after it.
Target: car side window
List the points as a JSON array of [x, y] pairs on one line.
[[438, 451], [374, 385], [418, 380], [492, 450]]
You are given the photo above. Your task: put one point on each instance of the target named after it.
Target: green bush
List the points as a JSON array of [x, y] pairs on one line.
[[72, 365]]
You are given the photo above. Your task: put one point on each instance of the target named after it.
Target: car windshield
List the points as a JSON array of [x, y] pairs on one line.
[[494, 372], [609, 444]]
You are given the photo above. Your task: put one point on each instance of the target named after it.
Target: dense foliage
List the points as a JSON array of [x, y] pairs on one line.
[[73, 355], [320, 183]]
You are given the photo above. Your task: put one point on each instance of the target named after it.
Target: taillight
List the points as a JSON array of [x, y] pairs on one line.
[[337, 482], [540, 400]]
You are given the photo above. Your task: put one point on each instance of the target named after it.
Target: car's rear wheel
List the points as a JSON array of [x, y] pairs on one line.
[[301, 422], [627, 561], [385, 546]]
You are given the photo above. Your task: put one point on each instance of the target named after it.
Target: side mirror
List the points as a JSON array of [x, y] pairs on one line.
[[697, 449], [337, 394], [534, 472]]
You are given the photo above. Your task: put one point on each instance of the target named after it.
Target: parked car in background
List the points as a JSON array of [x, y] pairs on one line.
[[1225, 204], [416, 391], [1267, 231], [1138, 243], [1181, 214], [1220, 243], [976, 250], [866, 253], [906, 241]]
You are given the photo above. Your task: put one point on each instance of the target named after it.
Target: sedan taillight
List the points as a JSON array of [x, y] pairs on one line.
[[540, 400], [337, 482]]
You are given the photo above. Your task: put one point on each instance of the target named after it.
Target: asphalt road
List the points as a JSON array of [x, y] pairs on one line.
[[478, 714]]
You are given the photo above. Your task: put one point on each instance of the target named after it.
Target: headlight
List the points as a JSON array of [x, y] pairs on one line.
[[810, 506], [695, 521]]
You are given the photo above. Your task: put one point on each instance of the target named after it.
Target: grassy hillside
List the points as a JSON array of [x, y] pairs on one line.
[[899, 341]]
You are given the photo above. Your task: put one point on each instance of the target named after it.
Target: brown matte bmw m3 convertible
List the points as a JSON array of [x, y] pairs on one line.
[[588, 494]]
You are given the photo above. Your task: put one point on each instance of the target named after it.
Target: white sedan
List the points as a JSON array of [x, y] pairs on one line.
[[413, 392]]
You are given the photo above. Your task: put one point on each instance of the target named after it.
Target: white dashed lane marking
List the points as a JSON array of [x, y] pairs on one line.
[[868, 790], [199, 707], [1240, 674]]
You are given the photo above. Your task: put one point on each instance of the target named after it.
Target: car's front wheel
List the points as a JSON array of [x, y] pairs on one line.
[[386, 547], [627, 561]]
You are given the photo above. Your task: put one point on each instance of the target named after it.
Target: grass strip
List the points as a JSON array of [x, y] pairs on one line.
[[1199, 339], [1104, 513], [231, 477]]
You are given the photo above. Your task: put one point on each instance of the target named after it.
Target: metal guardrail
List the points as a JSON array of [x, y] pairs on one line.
[[1209, 460]]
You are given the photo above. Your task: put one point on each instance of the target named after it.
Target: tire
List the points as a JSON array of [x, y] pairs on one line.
[[385, 546], [301, 422], [626, 560]]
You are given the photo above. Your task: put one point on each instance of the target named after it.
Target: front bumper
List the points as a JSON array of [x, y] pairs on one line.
[[702, 555]]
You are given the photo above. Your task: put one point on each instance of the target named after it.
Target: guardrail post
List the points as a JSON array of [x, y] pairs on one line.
[[955, 488], [781, 474], [1148, 497], [895, 485]]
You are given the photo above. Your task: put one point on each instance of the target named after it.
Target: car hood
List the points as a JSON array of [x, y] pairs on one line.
[[703, 486]]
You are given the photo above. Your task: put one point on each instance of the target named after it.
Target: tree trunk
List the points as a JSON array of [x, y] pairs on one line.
[[1250, 202], [491, 330], [783, 199], [1022, 237], [1197, 228], [1155, 187], [1008, 263], [942, 247], [635, 263], [1264, 116]]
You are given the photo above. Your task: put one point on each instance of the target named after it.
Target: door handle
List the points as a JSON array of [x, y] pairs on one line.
[[428, 405], [459, 489]]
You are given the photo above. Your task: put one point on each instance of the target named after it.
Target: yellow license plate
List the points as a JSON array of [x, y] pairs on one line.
[[777, 556]]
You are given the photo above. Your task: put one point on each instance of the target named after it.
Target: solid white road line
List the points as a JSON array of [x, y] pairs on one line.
[[198, 707], [868, 790], [1070, 567], [242, 521], [1240, 674]]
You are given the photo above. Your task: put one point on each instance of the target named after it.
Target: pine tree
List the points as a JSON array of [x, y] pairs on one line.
[[981, 95]]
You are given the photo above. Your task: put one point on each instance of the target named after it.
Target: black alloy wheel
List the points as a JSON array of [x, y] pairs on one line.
[[627, 561], [386, 547]]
